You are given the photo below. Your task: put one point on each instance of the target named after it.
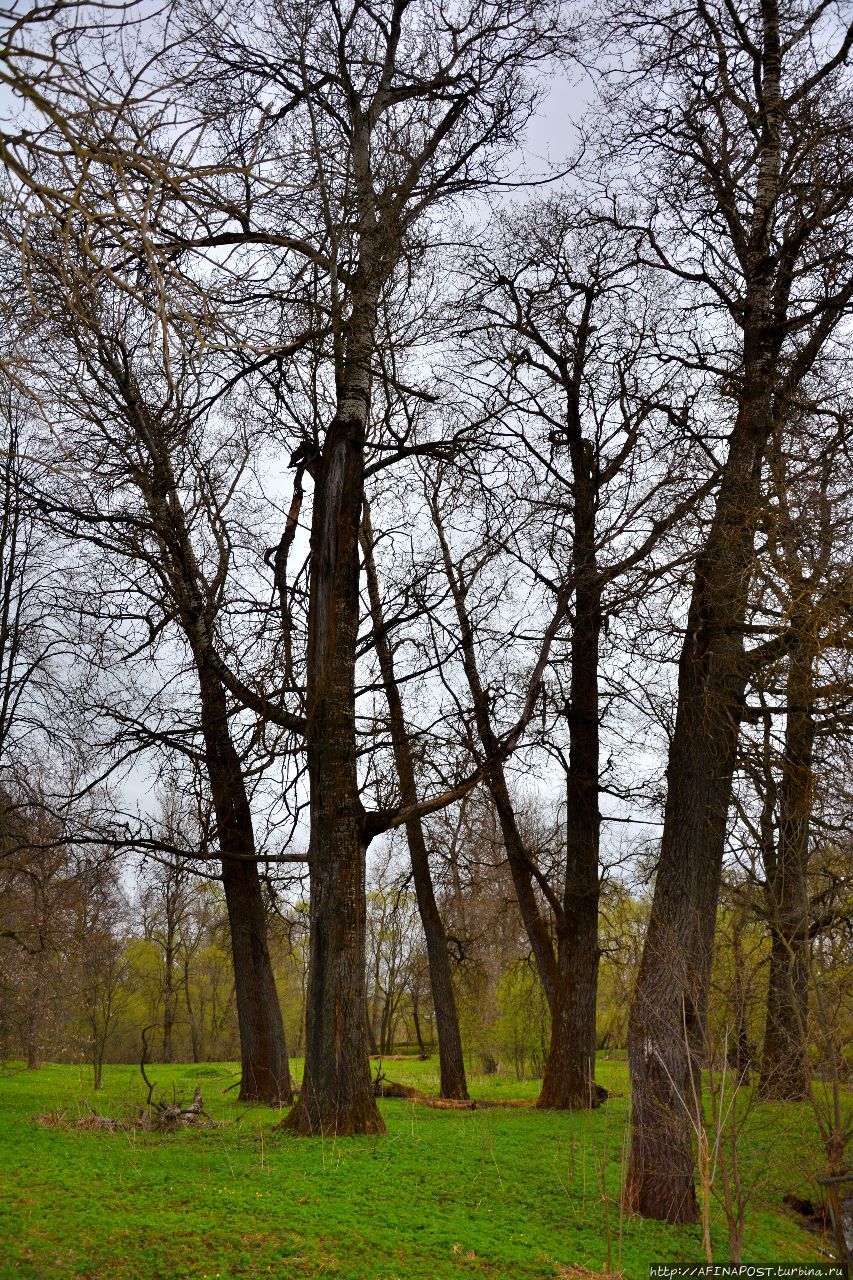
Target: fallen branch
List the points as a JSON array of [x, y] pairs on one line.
[[384, 1088], [154, 1117]]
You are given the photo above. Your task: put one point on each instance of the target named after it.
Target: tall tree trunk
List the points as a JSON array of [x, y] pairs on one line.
[[569, 1080], [191, 1014], [416, 1023], [263, 1050], [518, 861], [667, 1021], [451, 1060], [784, 1062], [33, 1030], [337, 1093], [169, 1001]]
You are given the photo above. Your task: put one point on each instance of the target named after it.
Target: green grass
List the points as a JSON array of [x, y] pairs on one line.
[[504, 1194]]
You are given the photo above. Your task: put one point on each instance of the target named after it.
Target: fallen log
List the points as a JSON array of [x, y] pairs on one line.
[[383, 1088]]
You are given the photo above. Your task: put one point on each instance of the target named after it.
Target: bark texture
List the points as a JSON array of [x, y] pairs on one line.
[[667, 1023], [569, 1080], [337, 1094], [666, 1027], [263, 1050]]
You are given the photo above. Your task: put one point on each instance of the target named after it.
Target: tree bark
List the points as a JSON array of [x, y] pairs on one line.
[[451, 1060], [337, 1093], [784, 1062], [569, 1080], [667, 1021], [263, 1051], [169, 997]]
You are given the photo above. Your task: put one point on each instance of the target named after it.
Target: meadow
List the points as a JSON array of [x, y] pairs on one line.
[[510, 1194]]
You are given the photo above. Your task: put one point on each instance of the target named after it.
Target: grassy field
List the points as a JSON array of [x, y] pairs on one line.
[[506, 1194]]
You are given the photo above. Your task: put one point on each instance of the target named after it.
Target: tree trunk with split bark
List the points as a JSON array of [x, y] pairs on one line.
[[337, 1093]]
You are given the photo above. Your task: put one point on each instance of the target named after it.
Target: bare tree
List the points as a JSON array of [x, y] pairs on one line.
[[740, 113], [569, 328], [803, 578], [32, 637], [154, 504], [166, 904], [388, 112], [100, 951], [367, 122], [529, 881]]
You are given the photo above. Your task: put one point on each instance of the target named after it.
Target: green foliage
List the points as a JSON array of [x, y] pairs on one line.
[[509, 1194], [622, 926], [522, 1029]]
